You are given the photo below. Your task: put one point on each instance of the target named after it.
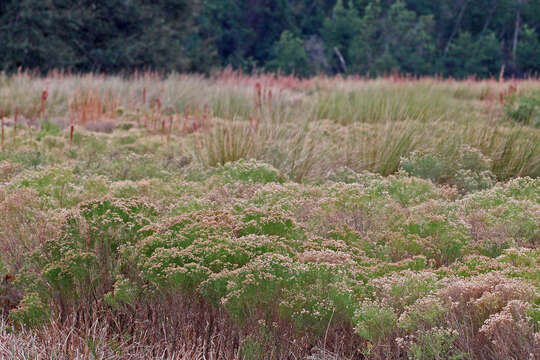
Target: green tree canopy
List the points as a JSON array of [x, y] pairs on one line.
[[289, 55], [455, 38]]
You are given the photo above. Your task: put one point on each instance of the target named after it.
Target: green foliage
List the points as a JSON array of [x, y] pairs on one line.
[[289, 56], [396, 41], [402, 289], [528, 50], [251, 350], [340, 29], [31, 311], [373, 37], [319, 295], [435, 344], [124, 292], [425, 313], [249, 171], [425, 166], [446, 236], [468, 169], [374, 321], [270, 221], [469, 56], [81, 263], [48, 128], [118, 35], [252, 288], [524, 109], [55, 183]]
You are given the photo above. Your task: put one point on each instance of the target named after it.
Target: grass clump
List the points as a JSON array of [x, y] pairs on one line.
[[524, 109]]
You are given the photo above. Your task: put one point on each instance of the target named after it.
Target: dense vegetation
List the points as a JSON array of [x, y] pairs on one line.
[[263, 217], [455, 38]]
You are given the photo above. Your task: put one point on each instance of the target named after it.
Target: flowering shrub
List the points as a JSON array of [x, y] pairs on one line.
[[320, 293], [444, 234], [470, 181], [374, 321], [426, 166], [468, 169], [8, 170], [80, 265], [56, 184], [401, 289], [249, 171], [434, 343], [424, 313], [270, 221], [31, 311], [252, 288], [473, 300], [511, 333]]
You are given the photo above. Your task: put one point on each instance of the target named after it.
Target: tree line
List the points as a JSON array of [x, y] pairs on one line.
[[457, 38]]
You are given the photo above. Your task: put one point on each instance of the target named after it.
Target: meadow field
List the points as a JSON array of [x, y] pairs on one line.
[[269, 217]]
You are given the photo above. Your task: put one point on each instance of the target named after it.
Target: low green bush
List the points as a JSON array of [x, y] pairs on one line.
[[524, 108], [467, 169], [80, 265]]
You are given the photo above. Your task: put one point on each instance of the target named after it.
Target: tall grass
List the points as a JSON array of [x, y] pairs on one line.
[[304, 127], [382, 101]]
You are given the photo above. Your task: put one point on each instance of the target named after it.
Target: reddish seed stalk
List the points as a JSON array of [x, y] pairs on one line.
[[2, 117], [170, 128], [15, 122], [71, 134], [258, 99], [44, 96], [205, 115], [186, 116]]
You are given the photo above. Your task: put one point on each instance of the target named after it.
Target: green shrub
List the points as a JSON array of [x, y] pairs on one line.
[[466, 168], [435, 344], [402, 289], [124, 292], [524, 108], [426, 166], [374, 321], [250, 171], [469, 181], [80, 265], [31, 311], [425, 313], [252, 288], [251, 350], [271, 221], [410, 191], [186, 250], [48, 128], [57, 184], [439, 225], [321, 294]]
